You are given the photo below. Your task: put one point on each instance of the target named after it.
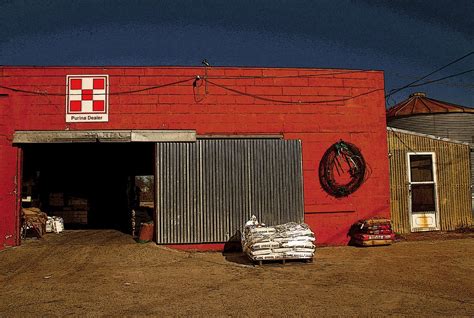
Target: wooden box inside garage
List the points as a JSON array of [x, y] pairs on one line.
[[72, 209]]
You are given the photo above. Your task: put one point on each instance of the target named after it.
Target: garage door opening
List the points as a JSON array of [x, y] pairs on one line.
[[90, 185]]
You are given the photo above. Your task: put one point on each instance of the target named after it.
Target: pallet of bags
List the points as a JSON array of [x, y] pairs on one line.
[[280, 242], [373, 232]]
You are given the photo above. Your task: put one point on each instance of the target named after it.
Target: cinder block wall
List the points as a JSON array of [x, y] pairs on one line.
[[359, 120]]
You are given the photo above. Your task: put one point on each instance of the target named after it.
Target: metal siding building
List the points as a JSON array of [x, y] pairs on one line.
[[451, 161], [425, 115]]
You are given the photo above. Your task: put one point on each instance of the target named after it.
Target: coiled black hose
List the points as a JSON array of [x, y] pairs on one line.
[[342, 157]]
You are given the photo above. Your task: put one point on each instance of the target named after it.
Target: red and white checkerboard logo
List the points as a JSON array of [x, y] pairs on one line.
[[87, 98]]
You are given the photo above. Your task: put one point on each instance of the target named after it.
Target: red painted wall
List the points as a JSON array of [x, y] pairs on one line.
[[359, 120]]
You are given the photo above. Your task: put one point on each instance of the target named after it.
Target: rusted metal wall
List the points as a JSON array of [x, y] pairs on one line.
[[207, 190], [453, 176]]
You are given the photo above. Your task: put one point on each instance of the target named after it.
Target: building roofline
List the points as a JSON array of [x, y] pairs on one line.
[[389, 118], [397, 130], [420, 99], [195, 66]]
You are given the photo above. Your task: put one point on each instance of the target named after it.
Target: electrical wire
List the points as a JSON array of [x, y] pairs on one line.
[[388, 97], [206, 79], [332, 100], [114, 93], [456, 84], [442, 78], [153, 87], [394, 91], [43, 93], [400, 139], [252, 76], [17, 90], [196, 86], [291, 102], [285, 76]]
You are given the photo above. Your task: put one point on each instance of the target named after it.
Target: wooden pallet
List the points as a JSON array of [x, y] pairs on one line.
[[373, 242], [281, 260]]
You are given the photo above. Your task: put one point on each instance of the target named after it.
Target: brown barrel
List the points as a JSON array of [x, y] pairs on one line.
[[146, 232]]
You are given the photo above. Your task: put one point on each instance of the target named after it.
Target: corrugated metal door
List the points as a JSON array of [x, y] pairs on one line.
[[207, 190]]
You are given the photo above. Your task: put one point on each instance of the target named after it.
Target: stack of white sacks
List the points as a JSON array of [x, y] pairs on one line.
[[285, 241], [54, 224]]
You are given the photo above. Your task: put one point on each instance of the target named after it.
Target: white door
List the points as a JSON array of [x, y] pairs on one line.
[[423, 198]]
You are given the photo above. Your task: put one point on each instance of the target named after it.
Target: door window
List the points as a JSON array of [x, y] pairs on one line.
[[421, 168], [423, 197]]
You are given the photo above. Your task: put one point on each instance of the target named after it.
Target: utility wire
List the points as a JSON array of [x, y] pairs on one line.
[[17, 90], [153, 87], [457, 84], [442, 78], [400, 139], [394, 91], [114, 93], [336, 100], [252, 76], [285, 76], [291, 102], [388, 96]]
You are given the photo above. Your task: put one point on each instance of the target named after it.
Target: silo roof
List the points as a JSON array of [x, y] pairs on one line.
[[419, 103]]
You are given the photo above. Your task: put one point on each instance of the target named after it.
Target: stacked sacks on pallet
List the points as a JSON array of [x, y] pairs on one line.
[[371, 232], [285, 241]]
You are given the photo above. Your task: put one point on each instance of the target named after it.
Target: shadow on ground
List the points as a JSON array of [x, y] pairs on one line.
[[233, 250]]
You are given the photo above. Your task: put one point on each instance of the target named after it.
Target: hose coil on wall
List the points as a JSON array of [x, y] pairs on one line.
[[342, 158]]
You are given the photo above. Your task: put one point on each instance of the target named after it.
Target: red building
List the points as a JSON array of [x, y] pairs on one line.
[[84, 130]]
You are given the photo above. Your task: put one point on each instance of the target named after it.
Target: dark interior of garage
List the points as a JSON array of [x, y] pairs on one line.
[[90, 185]]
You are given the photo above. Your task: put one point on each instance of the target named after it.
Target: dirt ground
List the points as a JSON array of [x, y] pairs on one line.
[[105, 273]]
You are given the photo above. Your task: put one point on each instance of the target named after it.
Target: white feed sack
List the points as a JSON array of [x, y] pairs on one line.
[[298, 244], [58, 225], [285, 241], [54, 224], [49, 224]]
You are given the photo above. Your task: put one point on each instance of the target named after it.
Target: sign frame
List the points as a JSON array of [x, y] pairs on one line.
[[87, 98]]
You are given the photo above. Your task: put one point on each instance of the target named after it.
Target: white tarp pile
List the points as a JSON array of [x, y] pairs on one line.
[[285, 241]]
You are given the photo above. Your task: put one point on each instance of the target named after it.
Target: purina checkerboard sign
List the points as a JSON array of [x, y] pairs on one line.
[[87, 98]]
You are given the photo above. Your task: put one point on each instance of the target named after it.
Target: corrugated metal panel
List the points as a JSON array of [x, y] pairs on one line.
[[457, 126], [207, 190], [452, 160]]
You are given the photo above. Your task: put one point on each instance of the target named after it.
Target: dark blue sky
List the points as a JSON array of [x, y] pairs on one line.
[[406, 39]]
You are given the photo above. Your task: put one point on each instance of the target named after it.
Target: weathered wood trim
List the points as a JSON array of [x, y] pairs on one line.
[[28, 137]]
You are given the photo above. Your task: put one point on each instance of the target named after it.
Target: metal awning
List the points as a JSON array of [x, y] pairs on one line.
[[68, 136]]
